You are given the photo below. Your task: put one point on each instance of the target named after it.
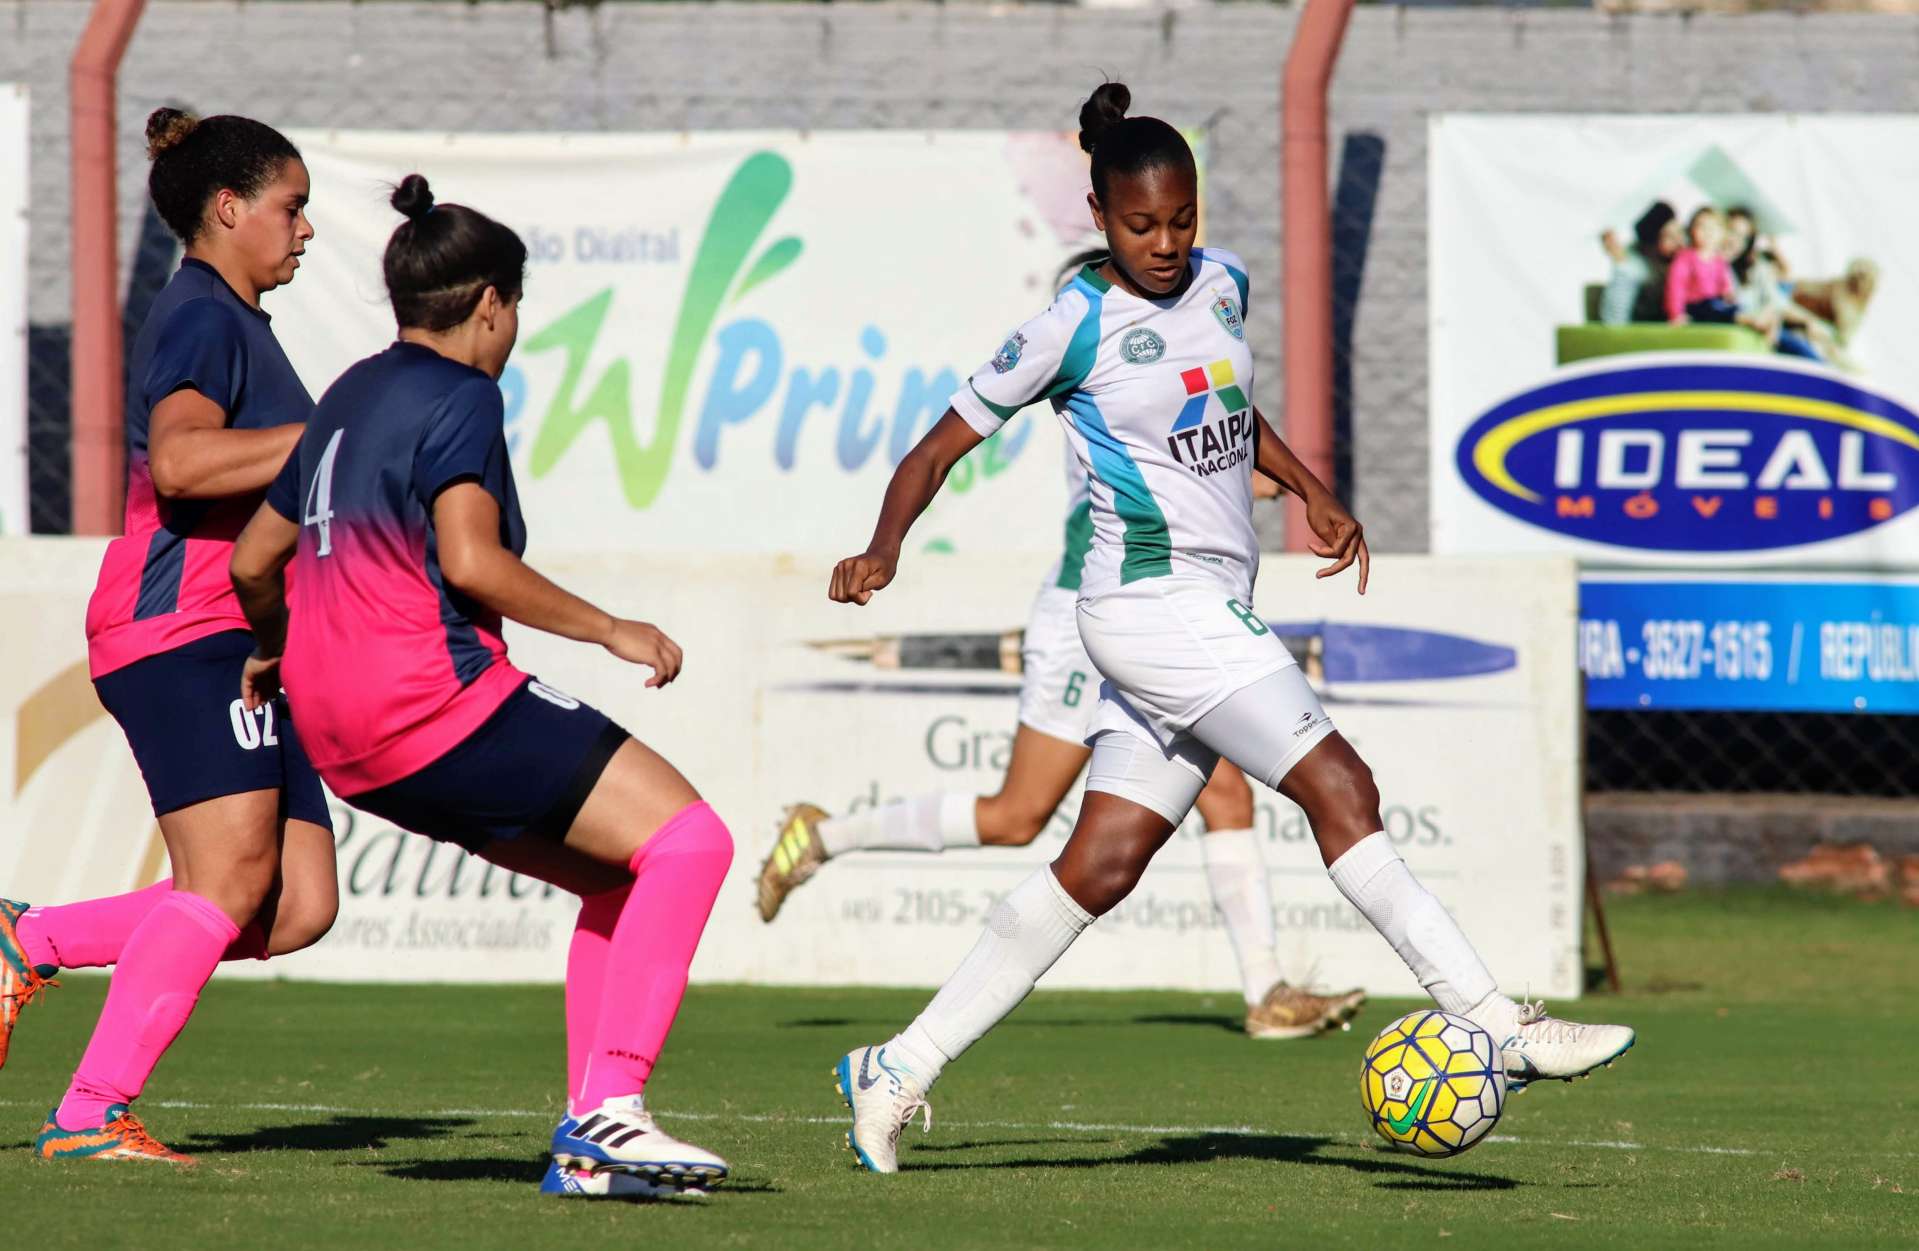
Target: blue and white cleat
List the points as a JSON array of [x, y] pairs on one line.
[[573, 1183], [1544, 1048], [884, 1100], [620, 1136]]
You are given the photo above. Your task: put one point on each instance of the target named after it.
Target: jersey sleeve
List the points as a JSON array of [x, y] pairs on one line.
[[1235, 269], [283, 496], [1026, 368], [465, 441], [200, 349]]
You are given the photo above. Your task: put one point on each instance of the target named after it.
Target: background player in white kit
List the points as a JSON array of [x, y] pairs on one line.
[[1145, 361], [1058, 694]]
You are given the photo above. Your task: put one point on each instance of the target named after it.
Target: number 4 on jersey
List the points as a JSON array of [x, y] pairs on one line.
[[319, 505]]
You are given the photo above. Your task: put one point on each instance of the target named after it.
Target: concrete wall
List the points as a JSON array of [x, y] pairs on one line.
[[504, 66]]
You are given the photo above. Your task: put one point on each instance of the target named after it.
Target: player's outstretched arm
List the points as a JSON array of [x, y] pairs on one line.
[[258, 571], [915, 483], [466, 522], [1337, 535]]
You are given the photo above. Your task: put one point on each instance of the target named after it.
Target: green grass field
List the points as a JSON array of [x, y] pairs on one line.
[[1771, 1101]]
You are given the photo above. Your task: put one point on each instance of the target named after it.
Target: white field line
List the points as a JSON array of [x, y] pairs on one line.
[[1076, 1127]]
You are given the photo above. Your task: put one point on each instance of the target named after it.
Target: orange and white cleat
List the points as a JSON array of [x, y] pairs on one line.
[[123, 1137], [20, 982]]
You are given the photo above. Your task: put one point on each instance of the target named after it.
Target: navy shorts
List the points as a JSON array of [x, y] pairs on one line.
[[527, 770], [194, 740]]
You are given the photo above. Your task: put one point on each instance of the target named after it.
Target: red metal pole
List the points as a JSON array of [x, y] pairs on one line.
[[1306, 239], [98, 388]]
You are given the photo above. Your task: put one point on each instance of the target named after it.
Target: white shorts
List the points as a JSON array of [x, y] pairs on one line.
[[1059, 688], [1265, 729], [1173, 648]]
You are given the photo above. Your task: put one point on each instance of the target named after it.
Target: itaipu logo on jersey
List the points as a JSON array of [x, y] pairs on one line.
[[1214, 429], [1696, 455]]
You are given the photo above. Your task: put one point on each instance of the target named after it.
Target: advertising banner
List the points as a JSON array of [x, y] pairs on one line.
[[13, 308], [728, 339], [1445, 676], [1804, 644], [1675, 340]]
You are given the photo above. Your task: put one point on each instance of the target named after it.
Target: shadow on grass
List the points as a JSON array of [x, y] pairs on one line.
[[1231, 1024], [342, 1133], [526, 1171], [1395, 1173]]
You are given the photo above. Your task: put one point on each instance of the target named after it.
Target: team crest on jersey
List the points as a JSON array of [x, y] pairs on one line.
[[1228, 314], [1008, 355], [1141, 346]]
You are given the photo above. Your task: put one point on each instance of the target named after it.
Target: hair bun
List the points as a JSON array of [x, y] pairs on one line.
[[1103, 109], [413, 197], [166, 128]]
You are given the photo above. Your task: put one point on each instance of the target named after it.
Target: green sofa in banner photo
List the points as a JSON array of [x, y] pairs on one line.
[[1595, 338]]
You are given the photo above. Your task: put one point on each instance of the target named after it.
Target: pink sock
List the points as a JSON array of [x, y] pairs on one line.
[[586, 979], [168, 958], [676, 877], [91, 934]]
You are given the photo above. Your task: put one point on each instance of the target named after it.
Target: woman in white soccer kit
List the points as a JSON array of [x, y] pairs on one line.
[[1058, 696], [1144, 359]]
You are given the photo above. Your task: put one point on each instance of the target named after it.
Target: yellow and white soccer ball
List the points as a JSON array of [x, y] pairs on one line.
[[1432, 1083]]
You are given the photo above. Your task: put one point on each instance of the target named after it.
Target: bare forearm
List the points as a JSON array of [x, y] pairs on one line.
[[507, 585], [213, 463], [914, 484], [263, 601]]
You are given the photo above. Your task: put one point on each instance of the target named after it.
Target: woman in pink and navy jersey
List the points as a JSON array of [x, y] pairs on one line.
[[399, 514], [213, 409]]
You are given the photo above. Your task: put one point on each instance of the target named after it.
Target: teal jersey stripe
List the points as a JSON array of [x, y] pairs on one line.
[[1076, 363], [1149, 549], [1079, 541], [1239, 276], [1005, 412]]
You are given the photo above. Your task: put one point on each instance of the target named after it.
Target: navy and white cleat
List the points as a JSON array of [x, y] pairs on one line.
[[573, 1183], [621, 1136], [883, 1100], [1547, 1049]]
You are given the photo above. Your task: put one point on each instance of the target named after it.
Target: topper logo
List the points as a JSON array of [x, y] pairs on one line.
[[1691, 455]]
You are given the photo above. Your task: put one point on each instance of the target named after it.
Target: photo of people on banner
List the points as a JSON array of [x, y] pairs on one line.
[[1665, 340]]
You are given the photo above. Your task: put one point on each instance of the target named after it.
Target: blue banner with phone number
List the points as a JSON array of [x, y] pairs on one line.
[[1784, 645]]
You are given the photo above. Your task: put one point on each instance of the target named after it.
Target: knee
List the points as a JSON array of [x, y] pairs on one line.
[[1101, 882], [303, 919], [1346, 796]]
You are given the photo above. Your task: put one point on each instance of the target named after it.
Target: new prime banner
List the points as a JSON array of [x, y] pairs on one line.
[[13, 308], [1675, 340], [729, 340], [1444, 675]]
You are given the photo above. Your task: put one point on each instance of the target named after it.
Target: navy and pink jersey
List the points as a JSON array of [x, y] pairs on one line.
[[388, 666], [164, 582]]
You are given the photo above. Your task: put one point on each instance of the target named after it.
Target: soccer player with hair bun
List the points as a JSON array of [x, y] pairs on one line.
[[213, 408], [1144, 359], [399, 515]]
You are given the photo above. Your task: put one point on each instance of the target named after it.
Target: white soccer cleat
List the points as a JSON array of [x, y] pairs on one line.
[[573, 1183], [1545, 1048], [883, 1103], [621, 1135]]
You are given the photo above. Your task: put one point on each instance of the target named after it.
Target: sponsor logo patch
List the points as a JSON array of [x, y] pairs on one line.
[[1008, 355], [1228, 313]]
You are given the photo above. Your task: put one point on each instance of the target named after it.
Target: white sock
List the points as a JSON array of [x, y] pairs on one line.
[[929, 823], [1025, 933], [1377, 882], [1237, 873]]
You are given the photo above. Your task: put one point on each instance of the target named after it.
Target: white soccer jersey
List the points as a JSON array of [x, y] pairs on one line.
[[1078, 538], [1156, 400]]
